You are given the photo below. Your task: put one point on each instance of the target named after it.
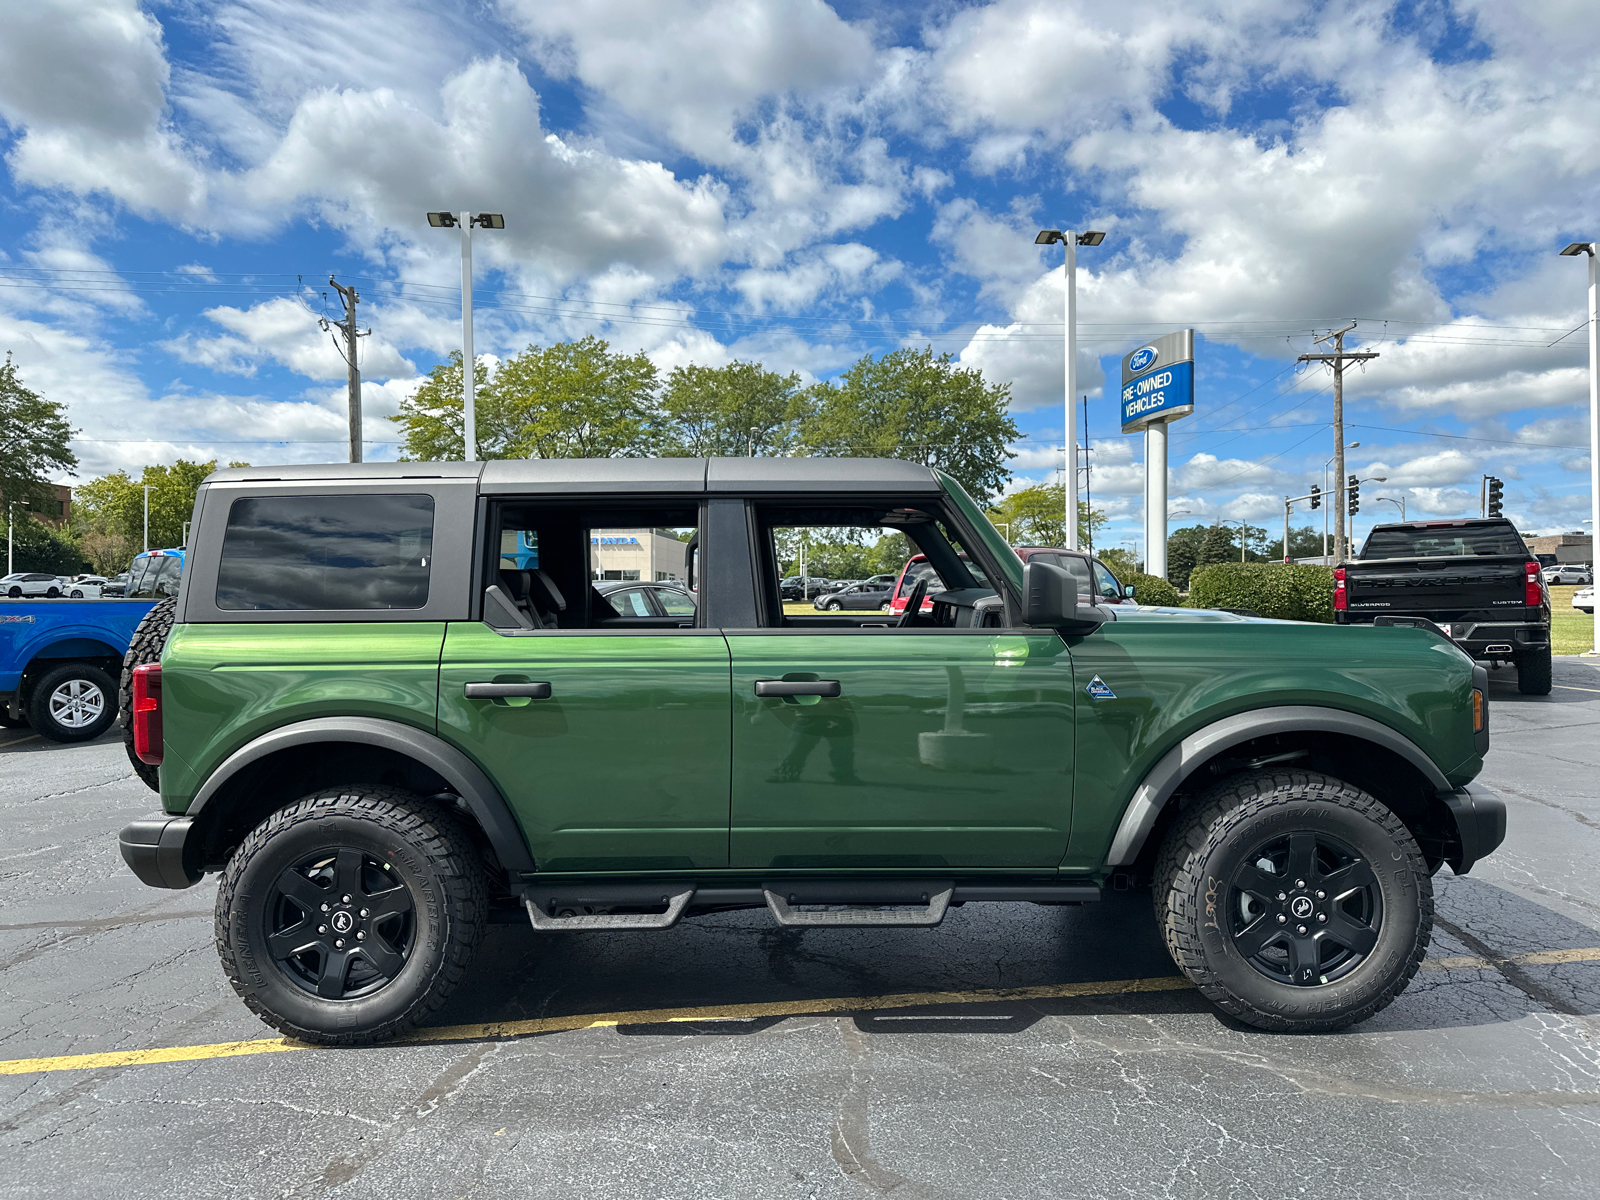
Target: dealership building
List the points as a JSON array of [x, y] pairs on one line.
[[652, 554]]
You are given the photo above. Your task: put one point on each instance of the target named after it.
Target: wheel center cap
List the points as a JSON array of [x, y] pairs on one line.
[[342, 921], [1301, 906]]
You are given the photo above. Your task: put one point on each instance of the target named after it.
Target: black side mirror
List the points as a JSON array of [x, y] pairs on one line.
[[1054, 598]]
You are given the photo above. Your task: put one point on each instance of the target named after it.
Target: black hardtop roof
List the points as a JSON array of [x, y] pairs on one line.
[[1440, 522], [650, 475]]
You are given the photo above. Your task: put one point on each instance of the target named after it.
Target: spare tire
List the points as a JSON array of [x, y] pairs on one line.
[[149, 639]]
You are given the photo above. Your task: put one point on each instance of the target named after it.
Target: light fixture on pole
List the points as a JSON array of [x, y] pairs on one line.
[[1070, 241], [469, 363], [1243, 526], [147, 488], [1592, 249], [1400, 500], [1353, 494]]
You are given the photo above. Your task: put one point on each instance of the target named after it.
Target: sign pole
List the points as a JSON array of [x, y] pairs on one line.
[[1156, 506], [1594, 423], [1157, 389]]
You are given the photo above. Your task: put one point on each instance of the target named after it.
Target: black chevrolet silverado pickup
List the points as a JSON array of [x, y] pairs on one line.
[[1475, 579]]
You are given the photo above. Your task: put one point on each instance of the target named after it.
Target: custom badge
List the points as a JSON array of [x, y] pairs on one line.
[[1098, 690]]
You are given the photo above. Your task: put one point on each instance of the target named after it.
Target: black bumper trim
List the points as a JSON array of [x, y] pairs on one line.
[[1480, 817], [157, 850]]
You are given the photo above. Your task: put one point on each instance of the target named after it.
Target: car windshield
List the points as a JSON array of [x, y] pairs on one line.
[[1443, 541]]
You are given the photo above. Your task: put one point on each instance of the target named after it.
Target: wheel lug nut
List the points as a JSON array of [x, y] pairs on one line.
[[1282, 920], [364, 912], [325, 907], [1298, 929], [1320, 896], [1281, 896], [339, 945], [1299, 883], [322, 929], [1322, 917], [361, 936], [347, 898]]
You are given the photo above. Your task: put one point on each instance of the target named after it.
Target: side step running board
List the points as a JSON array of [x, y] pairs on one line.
[[925, 902], [675, 896]]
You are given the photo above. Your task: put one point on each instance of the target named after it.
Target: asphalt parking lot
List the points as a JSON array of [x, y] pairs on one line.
[[1013, 1052]]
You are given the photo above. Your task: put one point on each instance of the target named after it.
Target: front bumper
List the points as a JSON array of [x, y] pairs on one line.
[[160, 850], [1480, 819]]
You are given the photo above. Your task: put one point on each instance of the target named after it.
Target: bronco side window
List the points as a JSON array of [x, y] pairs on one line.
[[578, 566], [326, 552]]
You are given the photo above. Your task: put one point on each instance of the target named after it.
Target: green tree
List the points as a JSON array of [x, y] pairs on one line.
[[913, 405], [37, 546], [1217, 546], [1183, 553], [1032, 516], [431, 417], [737, 410], [33, 439], [578, 400], [108, 512]]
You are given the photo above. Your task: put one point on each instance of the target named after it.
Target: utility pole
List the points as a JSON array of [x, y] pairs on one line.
[[1088, 478], [1337, 360], [147, 488], [348, 328]]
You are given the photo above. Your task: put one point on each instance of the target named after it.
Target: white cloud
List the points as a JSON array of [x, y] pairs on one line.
[[284, 331]]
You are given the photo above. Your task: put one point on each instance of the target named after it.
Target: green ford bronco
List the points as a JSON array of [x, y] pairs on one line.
[[399, 701]]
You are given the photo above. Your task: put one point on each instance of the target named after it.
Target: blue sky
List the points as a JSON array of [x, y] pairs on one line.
[[802, 184]]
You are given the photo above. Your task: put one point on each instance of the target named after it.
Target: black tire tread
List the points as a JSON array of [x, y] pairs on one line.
[[148, 640], [1178, 877], [428, 826]]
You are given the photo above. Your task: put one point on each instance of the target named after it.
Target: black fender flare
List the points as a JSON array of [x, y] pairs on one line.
[[1161, 780], [463, 775]]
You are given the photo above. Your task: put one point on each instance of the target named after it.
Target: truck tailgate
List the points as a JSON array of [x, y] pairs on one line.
[[1444, 589]]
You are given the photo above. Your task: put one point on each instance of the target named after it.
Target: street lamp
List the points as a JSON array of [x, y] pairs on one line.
[[469, 372], [1350, 517], [1070, 241], [1400, 500], [1243, 525], [1591, 249]]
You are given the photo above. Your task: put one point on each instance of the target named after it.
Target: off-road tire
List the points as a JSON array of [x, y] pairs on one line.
[[149, 639], [1534, 673], [38, 708], [430, 853], [1211, 838]]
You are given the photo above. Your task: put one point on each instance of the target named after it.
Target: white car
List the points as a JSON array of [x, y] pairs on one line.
[[85, 587], [1583, 599], [32, 583], [1567, 573]]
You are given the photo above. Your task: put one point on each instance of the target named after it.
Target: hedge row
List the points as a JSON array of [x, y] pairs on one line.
[[1152, 589], [1288, 592]]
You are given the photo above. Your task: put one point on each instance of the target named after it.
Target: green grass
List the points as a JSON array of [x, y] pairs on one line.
[[1571, 631]]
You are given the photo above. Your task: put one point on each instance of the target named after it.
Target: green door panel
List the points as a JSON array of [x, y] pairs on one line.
[[1171, 674], [625, 766], [223, 685], [944, 749]]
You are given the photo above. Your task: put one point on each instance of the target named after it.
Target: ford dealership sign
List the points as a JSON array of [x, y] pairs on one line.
[[1158, 381]]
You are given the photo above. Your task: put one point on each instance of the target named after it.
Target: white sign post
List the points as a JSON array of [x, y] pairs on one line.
[[1157, 389]]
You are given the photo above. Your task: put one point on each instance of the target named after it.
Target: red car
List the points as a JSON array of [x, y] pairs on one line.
[[1108, 590]]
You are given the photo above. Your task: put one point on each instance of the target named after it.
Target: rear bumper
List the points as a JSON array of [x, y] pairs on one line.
[[1480, 818], [160, 851]]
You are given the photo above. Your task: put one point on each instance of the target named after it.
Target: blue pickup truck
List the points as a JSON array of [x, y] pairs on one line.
[[60, 659]]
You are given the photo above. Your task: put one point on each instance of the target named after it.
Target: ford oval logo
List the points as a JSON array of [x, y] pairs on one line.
[[1142, 359]]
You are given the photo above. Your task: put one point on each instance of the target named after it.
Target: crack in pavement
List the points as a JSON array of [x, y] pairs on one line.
[[852, 1148], [1510, 971], [1580, 817]]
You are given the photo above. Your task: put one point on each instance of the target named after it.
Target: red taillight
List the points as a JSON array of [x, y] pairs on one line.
[[1533, 590], [147, 743], [1340, 600]]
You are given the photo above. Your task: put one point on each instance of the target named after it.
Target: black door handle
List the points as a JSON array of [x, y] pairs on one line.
[[499, 691], [797, 687]]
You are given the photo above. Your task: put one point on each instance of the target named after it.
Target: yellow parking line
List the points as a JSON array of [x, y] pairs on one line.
[[497, 1030], [501, 1030], [1569, 688], [17, 741]]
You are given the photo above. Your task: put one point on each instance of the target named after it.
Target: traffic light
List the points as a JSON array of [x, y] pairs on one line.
[[1497, 491], [1316, 496], [1355, 495]]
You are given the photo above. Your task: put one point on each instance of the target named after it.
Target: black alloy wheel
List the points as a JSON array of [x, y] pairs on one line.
[[1304, 909], [15, 593], [340, 924], [53, 593]]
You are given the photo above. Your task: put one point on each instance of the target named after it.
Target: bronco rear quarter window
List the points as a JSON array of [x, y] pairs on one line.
[[326, 552]]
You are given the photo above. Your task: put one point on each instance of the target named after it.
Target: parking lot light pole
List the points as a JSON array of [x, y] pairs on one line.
[[147, 488], [469, 363], [1400, 500], [1592, 249], [1070, 241]]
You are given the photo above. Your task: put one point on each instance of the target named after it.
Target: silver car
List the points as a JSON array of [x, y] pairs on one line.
[[1583, 599], [32, 583]]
